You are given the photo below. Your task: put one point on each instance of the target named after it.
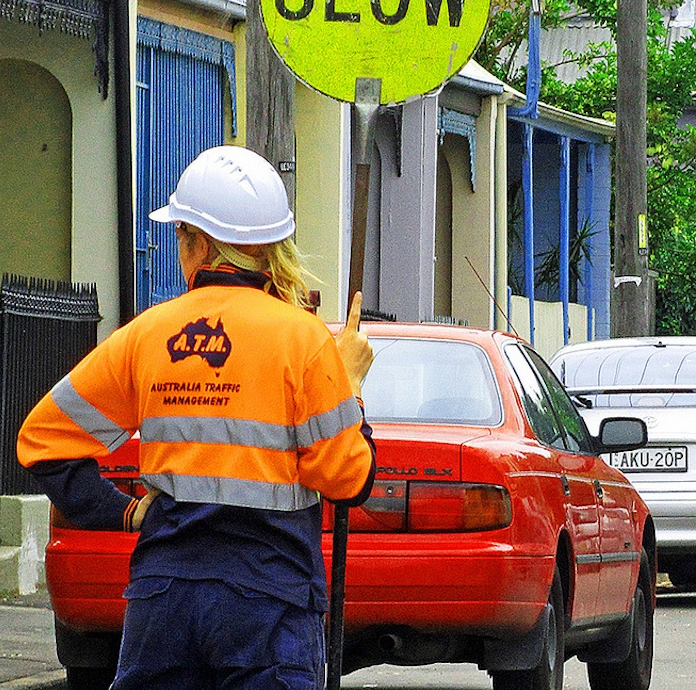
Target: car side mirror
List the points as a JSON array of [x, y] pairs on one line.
[[621, 433]]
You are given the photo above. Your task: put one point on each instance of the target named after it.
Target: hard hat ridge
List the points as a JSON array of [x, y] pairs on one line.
[[232, 194]]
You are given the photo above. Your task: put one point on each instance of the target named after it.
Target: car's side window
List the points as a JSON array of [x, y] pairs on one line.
[[536, 403], [577, 436]]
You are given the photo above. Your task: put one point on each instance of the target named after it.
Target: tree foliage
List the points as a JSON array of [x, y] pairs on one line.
[[507, 33], [671, 146]]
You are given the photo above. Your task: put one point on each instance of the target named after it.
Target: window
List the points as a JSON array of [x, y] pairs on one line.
[[577, 437], [431, 381], [636, 366], [535, 401]]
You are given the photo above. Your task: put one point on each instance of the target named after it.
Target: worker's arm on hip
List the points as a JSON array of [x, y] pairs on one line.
[[85, 416]]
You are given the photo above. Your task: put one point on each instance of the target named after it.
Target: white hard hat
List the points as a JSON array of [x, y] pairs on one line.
[[232, 194]]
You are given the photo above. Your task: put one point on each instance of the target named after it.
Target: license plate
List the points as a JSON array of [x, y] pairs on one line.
[[668, 459]]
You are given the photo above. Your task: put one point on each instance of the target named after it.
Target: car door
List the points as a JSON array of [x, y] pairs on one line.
[[574, 472], [618, 553]]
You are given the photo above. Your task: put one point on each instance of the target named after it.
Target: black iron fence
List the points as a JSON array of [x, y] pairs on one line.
[[46, 327]]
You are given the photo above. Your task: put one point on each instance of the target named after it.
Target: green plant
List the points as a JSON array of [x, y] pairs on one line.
[[515, 243], [548, 271]]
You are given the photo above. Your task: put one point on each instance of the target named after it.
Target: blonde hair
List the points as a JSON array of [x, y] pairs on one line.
[[281, 259], [287, 272]]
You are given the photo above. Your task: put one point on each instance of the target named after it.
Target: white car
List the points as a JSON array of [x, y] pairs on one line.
[[653, 378]]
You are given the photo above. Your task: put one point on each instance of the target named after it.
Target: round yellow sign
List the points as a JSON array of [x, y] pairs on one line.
[[413, 46]]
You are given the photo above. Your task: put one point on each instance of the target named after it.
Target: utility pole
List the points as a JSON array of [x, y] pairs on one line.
[[270, 110], [630, 291]]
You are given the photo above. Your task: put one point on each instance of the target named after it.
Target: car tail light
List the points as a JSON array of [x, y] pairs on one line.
[[456, 507], [400, 506], [384, 511]]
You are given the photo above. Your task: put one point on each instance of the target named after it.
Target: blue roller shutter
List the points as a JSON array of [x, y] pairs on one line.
[[181, 85]]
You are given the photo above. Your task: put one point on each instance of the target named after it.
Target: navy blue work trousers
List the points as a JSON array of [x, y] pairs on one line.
[[206, 635]]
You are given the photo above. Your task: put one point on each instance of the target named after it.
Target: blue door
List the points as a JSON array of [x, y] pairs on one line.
[[184, 83]]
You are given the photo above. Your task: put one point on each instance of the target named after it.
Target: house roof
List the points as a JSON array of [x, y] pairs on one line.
[[581, 31], [233, 8], [573, 38], [473, 77], [563, 121]]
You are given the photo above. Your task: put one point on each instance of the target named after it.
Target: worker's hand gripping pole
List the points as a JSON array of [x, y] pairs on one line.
[[367, 97]]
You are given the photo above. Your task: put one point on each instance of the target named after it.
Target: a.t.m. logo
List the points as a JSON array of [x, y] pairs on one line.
[[199, 339]]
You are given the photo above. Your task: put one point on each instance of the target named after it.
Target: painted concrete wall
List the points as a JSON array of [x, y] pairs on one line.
[[546, 203], [322, 201], [23, 538], [467, 235], [443, 279], [36, 182], [546, 227], [322, 189], [548, 323], [591, 191], [322, 131], [407, 216], [601, 280], [473, 226], [212, 24], [515, 220], [93, 252]]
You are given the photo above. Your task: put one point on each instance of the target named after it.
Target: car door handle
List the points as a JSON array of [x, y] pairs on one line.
[[566, 485], [598, 489]]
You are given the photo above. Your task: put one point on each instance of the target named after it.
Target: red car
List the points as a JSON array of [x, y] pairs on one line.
[[494, 533]]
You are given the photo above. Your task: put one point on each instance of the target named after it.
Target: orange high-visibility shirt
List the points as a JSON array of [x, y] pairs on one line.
[[240, 399]]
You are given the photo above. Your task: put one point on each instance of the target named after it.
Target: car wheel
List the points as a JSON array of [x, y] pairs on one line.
[[81, 678], [633, 673], [549, 674]]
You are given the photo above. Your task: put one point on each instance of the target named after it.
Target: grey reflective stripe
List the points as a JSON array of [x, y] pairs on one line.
[[247, 432], [329, 424], [240, 432], [86, 416], [244, 493]]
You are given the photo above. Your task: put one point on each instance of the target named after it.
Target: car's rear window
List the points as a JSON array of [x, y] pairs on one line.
[[634, 366], [431, 381]]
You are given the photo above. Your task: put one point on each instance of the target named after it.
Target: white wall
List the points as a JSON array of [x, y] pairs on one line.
[[548, 324]]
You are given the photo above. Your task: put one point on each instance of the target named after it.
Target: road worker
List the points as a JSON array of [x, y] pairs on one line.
[[248, 410]]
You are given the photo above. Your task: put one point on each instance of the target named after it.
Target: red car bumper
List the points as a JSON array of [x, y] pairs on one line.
[[434, 583], [441, 583]]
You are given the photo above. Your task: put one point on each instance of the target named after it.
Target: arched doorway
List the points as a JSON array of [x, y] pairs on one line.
[[35, 172]]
